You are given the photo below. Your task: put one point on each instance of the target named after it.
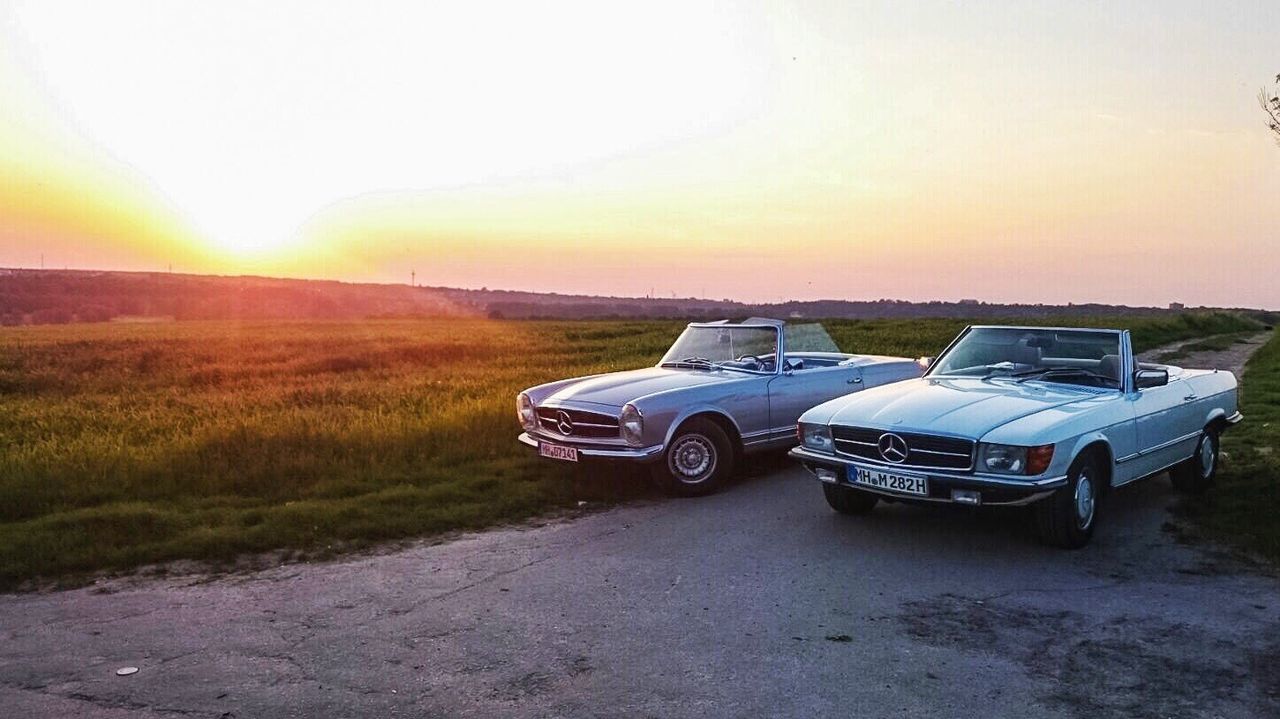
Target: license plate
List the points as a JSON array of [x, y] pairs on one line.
[[891, 481], [555, 451]]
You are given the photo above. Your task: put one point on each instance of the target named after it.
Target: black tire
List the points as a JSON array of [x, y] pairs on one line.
[[698, 461], [1196, 475], [849, 501], [1066, 518]]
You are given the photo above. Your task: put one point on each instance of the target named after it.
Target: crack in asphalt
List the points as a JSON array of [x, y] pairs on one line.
[[107, 703], [1055, 590], [507, 572], [81, 621], [1126, 665]]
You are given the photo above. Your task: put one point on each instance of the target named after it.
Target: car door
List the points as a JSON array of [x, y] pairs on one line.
[[790, 394], [1166, 425]]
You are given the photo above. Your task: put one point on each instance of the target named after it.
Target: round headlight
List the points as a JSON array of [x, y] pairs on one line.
[[526, 413], [632, 425]]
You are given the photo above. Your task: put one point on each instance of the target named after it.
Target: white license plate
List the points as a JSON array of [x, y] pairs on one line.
[[891, 481], [555, 451]]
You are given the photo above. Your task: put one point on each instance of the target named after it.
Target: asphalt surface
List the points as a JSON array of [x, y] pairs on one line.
[[758, 601]]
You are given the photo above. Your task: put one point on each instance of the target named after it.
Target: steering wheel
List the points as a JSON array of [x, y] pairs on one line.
[[753, 359]]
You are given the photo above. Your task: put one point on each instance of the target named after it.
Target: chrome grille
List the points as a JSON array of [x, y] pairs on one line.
[[581, 423], [923, 450]]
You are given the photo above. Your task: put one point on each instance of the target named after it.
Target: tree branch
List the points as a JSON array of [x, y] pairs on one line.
[[1269, 101]]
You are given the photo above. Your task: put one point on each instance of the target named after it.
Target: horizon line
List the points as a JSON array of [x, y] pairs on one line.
[[650, 298]]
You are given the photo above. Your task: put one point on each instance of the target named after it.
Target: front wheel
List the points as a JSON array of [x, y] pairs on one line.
[[1067, 517], [1196, 475], [697, 462]]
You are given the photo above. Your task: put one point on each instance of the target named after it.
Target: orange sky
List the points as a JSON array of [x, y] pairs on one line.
[[757, 151]]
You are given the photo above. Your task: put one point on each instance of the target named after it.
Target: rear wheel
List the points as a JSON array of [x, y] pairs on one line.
[[1196, 475], [1067, 517], [849, 501], [698, 461]]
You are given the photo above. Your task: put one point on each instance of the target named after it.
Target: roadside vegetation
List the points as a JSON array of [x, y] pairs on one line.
[[125, 445], [1244, 505]]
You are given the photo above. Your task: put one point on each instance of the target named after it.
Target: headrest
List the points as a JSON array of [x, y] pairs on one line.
[[1109, 365], [1022, 354]]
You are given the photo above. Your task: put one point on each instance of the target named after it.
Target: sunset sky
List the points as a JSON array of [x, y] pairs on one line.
[[1029, 152]]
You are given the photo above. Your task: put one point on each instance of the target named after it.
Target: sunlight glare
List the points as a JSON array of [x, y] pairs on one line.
[[255, 117]]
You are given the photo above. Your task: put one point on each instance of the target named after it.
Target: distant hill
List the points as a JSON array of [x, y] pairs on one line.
[[60, 296]]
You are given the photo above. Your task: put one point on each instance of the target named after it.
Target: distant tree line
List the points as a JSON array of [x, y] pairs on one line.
[[56, 297]]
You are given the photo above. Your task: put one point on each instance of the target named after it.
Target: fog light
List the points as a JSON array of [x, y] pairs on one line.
[[966, 496], [826, 475]]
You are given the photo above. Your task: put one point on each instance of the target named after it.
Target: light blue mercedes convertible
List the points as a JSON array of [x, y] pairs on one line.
[[1050, 417], [723, 389]]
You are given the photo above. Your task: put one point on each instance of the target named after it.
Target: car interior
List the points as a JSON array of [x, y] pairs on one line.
[[1039, 350]]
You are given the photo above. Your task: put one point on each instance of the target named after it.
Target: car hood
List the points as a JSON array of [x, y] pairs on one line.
[[618, 388], [960, 407]]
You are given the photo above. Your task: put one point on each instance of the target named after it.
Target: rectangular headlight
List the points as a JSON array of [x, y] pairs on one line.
[[1013, 459], [816, 437], [1003, 459]]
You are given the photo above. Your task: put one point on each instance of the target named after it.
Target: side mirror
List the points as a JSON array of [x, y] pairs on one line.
[[1144, 378], [925, 362]]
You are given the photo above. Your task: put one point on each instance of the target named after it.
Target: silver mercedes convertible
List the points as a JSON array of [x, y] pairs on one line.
[[723, 389]]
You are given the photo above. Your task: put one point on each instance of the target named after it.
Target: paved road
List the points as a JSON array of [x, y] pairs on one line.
[[755, 602]]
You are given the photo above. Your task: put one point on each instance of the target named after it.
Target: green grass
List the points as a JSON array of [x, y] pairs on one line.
[[123, 445], [1244, 505]]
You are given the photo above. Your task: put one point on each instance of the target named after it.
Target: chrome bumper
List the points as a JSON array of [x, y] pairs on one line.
[[635, 454], [1026, 490], [1235, 418]]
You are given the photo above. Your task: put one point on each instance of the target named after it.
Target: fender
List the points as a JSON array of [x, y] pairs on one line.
[[1217, 414], [688, 412], [1094, 438]]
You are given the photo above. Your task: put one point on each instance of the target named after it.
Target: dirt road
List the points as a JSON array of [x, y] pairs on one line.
[[759, 601]]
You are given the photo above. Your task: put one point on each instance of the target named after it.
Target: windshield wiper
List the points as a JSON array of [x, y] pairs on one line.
[[701, 362], [1044, 372]]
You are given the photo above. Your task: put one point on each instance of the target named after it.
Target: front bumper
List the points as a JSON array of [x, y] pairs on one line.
[[992, 489], [596, 451]]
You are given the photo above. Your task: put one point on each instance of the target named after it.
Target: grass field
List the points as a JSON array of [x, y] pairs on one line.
[[123, 445], [1244, 506]]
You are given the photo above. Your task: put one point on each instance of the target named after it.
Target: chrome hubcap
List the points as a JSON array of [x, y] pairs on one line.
[[692, 458], [1207, 456], [1084, 501]]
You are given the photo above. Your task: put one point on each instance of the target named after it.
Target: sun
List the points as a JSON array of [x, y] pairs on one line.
[[256, 122]]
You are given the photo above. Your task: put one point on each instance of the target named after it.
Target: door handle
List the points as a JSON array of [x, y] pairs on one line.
[[854, 380], [1190, 397]]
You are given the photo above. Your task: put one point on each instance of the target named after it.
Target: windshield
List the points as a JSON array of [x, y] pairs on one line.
[[1089, 357], [810, 337], [753, 349]]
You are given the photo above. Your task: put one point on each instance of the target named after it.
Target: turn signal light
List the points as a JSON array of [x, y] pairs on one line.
[[1038, 458]]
